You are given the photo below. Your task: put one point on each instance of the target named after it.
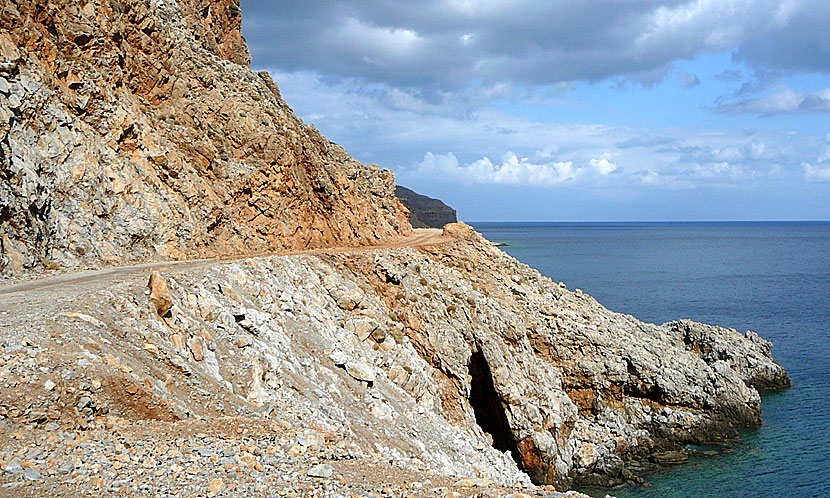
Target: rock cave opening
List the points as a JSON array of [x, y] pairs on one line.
[[488, 408]]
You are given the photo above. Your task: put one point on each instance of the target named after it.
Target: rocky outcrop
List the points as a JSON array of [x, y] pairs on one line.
[[425, 212], [748, 354], [134, 130], [451, 358]]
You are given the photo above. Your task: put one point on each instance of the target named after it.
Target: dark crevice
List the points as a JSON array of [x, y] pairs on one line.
[[488, 408]]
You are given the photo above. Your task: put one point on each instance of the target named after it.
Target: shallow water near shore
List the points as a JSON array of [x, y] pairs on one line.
[[773, 278]]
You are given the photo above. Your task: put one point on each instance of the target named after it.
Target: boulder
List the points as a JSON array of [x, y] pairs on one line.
[[159, 295]]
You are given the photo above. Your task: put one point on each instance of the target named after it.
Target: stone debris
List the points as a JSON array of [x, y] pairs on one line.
[[159, 295], [360, 370], [137, 132], [322, 470]]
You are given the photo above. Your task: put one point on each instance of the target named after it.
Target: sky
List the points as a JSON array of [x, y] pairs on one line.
[[549, 110]]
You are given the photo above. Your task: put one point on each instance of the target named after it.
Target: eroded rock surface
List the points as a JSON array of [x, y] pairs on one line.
[[453, 359], [133, 130]]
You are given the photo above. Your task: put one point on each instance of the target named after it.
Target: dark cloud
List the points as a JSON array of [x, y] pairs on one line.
[[446, 44], [796, 38]]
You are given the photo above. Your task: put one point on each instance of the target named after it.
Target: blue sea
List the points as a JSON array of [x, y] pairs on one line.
[[773, 278]]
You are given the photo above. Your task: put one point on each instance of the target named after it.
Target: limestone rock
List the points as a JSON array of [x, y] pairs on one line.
[[196, 346], [747, 354], [460, 231], [360, 370], [155, 141], [362, 326], [159, 295], [322, 471]]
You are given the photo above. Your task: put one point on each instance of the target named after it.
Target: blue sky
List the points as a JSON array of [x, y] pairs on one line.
[[569, 111]]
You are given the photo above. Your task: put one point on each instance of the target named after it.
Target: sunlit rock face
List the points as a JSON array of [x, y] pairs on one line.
[[134, 130]]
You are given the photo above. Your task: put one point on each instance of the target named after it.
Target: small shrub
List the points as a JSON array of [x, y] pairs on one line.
[[48, 264]]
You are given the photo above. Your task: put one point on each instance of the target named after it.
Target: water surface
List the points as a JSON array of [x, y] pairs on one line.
[[773, 278]]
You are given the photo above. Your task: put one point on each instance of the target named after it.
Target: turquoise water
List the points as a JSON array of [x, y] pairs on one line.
[[773, 278]]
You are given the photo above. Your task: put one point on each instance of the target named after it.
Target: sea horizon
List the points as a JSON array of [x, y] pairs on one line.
[[770, 277], [640, 222]]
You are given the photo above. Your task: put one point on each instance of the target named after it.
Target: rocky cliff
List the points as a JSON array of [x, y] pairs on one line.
[[434, 365], [449, 358], [134, 130], [425, 212]]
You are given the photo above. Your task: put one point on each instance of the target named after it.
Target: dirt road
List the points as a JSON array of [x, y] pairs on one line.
[[67, 284]]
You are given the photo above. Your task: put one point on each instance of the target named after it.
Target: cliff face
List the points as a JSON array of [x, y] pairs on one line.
[[450, 358], [134, 129], [425, 212]]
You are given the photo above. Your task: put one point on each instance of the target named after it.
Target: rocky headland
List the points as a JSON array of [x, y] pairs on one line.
[[425, 212], [352, 357]]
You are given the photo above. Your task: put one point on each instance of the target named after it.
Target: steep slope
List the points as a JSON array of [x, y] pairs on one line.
[[425, 212], [134, 130], [449, 358]]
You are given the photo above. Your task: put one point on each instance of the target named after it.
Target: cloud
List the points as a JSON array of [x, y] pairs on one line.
[[816, 173], [513, 170], [793, 36], [729, 75], [687, 80], [446, 44], [603, 166], [784, 102], [549, 155]]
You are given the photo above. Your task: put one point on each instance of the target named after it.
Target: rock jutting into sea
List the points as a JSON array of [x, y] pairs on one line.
[[353, 355], [425, 212], [449, 357]]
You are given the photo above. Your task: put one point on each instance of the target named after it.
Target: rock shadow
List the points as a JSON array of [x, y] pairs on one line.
[[488, 408]]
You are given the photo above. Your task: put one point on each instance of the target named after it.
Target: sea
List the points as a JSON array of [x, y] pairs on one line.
[[770, 277]]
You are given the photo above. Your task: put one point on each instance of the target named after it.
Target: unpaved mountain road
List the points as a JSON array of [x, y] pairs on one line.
[[65, 285]]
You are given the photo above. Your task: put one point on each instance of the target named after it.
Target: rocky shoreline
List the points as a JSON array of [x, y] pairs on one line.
[[384, 363], [451, 359]]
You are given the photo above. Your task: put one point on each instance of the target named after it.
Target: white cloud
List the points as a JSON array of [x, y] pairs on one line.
[[513, 170], [603, 166], [403, 126], [816, 173], [786, 101]]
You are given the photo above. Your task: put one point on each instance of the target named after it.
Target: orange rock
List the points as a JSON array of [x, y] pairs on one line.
[[215, 485], [177, 341], [195, 344], [159, 295]]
